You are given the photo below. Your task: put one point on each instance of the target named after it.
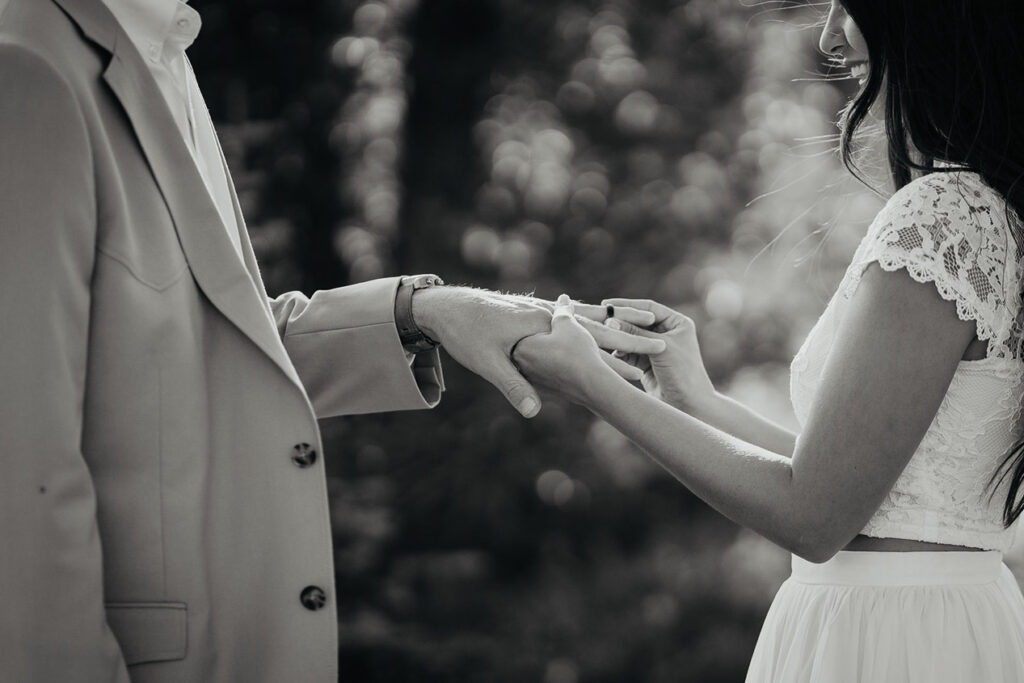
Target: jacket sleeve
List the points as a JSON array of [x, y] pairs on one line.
[[344, 344], [52, 623]]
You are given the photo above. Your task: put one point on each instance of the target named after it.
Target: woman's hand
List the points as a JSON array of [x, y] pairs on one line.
[[568, 360], [676, 376]]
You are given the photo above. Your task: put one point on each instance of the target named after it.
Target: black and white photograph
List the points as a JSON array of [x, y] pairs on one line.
[[511, 341]]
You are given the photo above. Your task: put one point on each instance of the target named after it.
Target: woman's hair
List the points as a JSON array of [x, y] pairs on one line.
[[950, 73]]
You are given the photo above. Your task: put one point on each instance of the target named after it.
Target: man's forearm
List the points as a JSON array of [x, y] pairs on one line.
[[353, 328]]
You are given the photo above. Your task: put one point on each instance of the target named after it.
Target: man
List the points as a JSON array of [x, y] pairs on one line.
[[163, 510]]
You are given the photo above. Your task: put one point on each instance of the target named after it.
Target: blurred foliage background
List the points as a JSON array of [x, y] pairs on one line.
[[681, 150]]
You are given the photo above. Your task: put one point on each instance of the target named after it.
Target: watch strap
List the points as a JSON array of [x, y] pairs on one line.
[[412, 337]]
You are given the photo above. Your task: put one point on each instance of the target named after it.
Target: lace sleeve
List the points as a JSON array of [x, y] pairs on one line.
[[950, 229]]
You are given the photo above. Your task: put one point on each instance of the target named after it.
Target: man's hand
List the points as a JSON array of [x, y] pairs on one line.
[[479, 328]]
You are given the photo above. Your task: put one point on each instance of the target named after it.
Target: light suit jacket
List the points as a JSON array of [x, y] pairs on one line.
[[163, 506]]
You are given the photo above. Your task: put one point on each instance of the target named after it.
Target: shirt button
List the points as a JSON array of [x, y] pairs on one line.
[[182, 23], [313, 598], [303, 455]]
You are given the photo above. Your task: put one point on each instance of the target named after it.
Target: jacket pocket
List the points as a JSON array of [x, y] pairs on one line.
[[149, 631]]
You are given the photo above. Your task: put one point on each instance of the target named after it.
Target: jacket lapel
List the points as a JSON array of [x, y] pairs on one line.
[[212, 258], [243, 234]]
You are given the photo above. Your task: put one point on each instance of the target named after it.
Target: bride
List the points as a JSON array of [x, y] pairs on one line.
[[899, 494]]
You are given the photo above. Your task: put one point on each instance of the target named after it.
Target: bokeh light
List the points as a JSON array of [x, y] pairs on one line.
[[681, 150]]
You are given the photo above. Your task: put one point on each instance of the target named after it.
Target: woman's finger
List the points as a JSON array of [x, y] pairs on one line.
[[628, 328], [624, 369], [631, 315], [661, 312], [635, 359], [617, 340]]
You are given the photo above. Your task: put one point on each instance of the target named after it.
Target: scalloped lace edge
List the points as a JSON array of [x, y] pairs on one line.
[[965, 310]]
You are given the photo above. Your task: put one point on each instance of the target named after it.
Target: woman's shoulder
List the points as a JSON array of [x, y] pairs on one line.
[[946, 190], [952, 229], [956, 201]]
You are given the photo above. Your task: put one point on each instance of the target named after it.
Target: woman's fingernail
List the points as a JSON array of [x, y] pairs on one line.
[[564, 300], [613, 323]]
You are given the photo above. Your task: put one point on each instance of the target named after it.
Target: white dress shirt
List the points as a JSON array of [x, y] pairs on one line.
[[162, 30]]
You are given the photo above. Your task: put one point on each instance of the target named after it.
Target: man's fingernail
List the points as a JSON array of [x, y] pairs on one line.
[[563, 300], [528, 407], [613, 323]]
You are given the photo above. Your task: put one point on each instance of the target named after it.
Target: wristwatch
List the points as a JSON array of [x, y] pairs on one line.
[[409, 332]]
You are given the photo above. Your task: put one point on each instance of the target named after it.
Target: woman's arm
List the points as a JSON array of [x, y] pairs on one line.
[[734, 418], [895, 354], [751, 485], [678, 377]]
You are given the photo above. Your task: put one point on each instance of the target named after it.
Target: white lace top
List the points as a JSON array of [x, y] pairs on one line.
[[948, 229]]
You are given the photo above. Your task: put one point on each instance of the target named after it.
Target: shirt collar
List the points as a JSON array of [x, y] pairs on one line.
[[158, 28]]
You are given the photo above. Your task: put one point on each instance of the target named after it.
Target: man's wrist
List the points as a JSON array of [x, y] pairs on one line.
[[413, 337], [426, 304]]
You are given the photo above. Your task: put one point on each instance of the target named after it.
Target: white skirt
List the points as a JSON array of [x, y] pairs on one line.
[[907, 617]]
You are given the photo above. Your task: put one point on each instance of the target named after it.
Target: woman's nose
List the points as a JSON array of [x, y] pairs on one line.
[[833, 40]]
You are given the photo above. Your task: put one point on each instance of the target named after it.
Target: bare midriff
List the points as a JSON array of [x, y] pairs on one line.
[[897, 545]]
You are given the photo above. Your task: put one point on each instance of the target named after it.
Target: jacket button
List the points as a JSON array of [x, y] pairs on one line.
[[303, 455], [313, 598]]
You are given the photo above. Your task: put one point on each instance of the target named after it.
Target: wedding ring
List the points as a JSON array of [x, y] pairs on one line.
[[609, 311]]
